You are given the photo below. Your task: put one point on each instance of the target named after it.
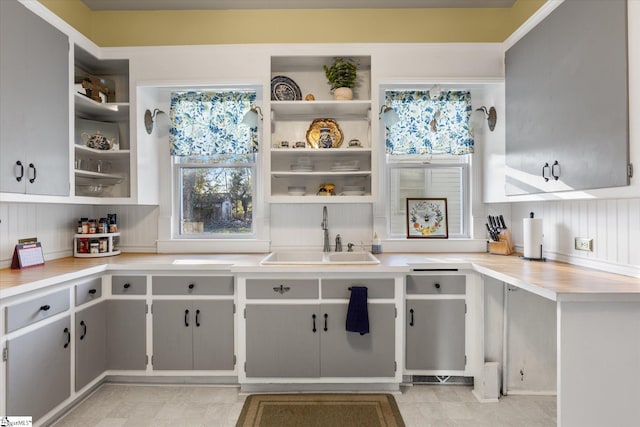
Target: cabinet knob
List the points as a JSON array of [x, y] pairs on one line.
[[191, 286], [281, 289], [126, 285], [437, 285], [92, 291], [45, 307]]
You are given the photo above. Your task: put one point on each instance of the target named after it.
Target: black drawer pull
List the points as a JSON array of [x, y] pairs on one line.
[[19, 177], [35, 173], [66, 331], [84, 332], [326, 316], [92, 291], [546, 166], [198, 318], [45, 307], [126, 285], [314, 323], [555, 175], [191, 286], [281, 289], [437, 285], [411, 321], [186, 318]]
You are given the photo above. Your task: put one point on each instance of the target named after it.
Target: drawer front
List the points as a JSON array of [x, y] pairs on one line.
[[128, 285], [445, 285], [282, 288], [192, 285], [26, 313], [88, 291], [339, 288]]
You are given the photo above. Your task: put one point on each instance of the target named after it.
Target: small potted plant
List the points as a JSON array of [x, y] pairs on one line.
[[342, 78]]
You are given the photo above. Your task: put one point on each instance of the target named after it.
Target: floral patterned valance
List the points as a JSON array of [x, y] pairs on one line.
[[208, 123], [430, 126]]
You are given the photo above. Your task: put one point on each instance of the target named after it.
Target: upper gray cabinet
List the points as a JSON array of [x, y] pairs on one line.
[[567, 119], [34, 103]]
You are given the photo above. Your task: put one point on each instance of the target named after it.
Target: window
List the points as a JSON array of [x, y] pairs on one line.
[[214, 157], [428, 155]]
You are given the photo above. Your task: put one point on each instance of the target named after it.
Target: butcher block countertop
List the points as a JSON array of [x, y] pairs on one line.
[[552, 280]]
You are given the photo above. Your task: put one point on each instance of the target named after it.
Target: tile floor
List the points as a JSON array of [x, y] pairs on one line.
[[420, 405]]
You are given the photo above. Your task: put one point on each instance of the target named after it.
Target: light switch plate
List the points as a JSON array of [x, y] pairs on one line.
[[584, 244]]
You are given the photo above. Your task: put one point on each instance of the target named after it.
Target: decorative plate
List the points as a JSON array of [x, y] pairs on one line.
[[284, 89], [313, 133]]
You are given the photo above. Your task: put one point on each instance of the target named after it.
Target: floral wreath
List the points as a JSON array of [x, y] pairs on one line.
[[427, 229]]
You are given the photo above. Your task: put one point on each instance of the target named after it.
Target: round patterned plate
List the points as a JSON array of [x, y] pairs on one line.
[[313, 133], [284, 89]]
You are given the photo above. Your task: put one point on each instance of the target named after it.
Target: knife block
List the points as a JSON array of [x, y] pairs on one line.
[[504, 246]]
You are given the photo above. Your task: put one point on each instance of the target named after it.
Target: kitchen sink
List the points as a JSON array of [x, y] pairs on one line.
[[319, 258]]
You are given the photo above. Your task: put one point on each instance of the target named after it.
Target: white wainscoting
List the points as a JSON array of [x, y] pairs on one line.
[[54, 225], [614, 226]]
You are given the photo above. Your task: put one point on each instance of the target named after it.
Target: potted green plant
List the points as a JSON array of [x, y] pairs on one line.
[[341, 75]]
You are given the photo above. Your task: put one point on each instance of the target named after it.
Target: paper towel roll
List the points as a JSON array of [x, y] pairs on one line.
[[532, 237]]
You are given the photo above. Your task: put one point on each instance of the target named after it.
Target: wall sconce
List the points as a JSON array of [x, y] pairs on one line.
[[434, 92], [490, 115], [389, 116], [251, 117], [149, 118]]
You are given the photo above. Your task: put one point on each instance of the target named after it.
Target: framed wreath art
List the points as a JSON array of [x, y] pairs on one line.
[[427, 218]]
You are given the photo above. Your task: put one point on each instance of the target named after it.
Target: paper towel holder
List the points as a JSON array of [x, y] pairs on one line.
[[534, 259]]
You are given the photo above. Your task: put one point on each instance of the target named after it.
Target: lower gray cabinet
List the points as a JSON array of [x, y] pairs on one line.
[[126, 334], [283, 340], [310, 340], [91, 344], [193, 334], [39, 369], [435, 334]]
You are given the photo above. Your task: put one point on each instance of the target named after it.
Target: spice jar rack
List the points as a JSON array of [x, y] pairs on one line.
[[104, 241]]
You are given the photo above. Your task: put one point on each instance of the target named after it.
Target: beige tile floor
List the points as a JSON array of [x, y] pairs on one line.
[[190, 406]]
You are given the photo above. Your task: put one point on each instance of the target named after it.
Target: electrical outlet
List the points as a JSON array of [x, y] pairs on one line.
[[584, 244]]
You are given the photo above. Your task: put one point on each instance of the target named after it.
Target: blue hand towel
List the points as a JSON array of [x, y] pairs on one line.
[[357, 313]]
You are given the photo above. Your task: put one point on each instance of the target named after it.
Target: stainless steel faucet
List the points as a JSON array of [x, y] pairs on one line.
[[325, 227]]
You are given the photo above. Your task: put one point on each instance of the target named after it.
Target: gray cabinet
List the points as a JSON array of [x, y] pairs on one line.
[[126, 334], [39, 369], [91, 343], [193, 334], [435, 334], [310, 340], [567, 101], [34, 106], [282, 340]]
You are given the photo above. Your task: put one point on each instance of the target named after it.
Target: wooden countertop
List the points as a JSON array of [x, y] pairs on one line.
[[552, 280]]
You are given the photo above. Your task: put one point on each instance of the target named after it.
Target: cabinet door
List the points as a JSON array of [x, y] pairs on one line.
[[39, 369], [282, 340], [34, 107], [126, 334], [213, 335], [172, 335], [435, 333], [91, 344], [349, 354]]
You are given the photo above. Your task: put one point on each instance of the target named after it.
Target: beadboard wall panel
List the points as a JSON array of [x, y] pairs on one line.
[[54, 225], [614, 226]]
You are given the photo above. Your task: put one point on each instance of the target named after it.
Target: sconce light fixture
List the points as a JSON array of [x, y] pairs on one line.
[[434, 92], [251, 117], [490, 115], [389, 116], [149, 117]]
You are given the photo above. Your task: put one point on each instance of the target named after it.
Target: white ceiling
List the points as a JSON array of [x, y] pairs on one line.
[[288, 4]]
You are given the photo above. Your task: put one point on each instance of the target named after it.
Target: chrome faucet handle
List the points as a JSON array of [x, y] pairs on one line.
[[350, 247], [338, 243]]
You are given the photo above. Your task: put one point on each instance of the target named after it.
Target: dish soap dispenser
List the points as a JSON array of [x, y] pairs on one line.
[[376, 245]]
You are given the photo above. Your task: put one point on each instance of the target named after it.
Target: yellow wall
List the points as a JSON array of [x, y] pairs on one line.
[[154, 28]]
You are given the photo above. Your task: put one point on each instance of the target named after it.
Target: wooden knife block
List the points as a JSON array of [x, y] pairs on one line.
[[504, 246]]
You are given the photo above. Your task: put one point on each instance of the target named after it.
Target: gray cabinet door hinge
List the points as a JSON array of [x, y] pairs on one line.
[[146, 359], [234, 360], [465, 360], [245, 367], [5, 354], [146, 308], [395, 366], [396, 312], [465, 308], [152, 360], [234, 308], [630, 170], [245, 313]]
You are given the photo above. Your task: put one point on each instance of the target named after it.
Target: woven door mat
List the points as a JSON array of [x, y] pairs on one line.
[[320, 410]]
